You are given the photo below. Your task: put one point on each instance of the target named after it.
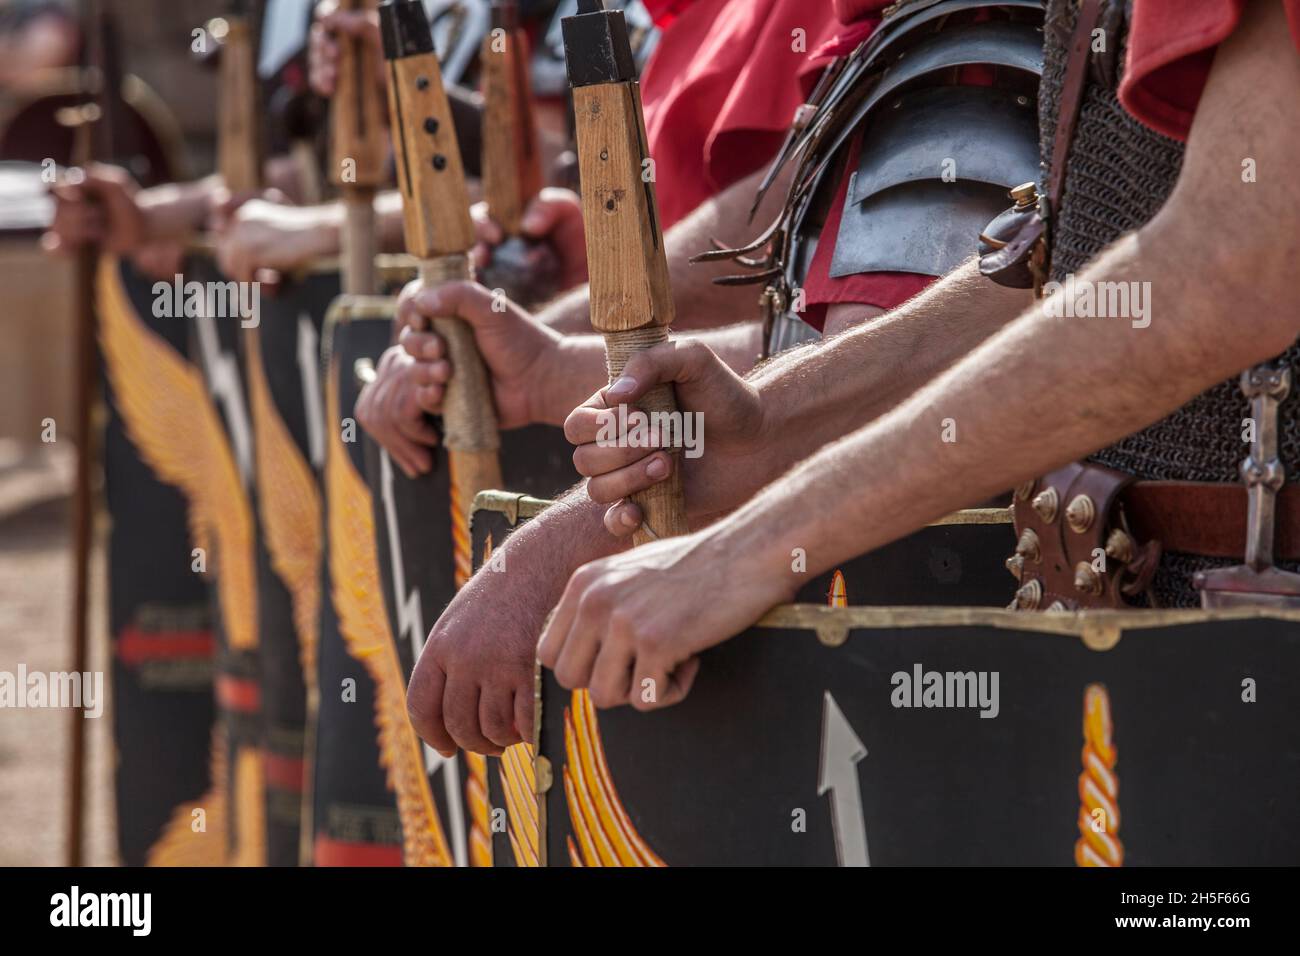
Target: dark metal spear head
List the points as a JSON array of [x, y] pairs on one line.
[[596, 46], [404, 28]]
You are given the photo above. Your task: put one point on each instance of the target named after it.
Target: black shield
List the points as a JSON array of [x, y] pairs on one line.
[[282, 361], [794, 748], [355, 810], [159, 608], [955, 735], [415, 549]]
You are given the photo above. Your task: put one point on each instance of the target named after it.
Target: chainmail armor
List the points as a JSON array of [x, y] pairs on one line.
[[1119, 174]]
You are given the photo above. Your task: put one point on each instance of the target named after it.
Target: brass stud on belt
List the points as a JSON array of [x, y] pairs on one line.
[[1086, 578], [1024, 491], [1046, 503], [1028, 596], [1027, 547], [1079, 513], [1120, 547], [1016, 565]]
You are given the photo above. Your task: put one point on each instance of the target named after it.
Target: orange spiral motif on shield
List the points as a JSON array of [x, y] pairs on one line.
[[838, 595], [476, 795], [1098, 843]]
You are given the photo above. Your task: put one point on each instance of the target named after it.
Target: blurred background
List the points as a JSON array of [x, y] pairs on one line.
[[135, 83], [41, 44]]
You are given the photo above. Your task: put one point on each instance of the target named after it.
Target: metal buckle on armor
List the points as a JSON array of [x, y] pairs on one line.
[[770, 304], [1012, 247], [1258, 581]]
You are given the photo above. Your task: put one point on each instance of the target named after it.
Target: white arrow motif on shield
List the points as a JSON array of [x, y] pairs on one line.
[[841, 750]]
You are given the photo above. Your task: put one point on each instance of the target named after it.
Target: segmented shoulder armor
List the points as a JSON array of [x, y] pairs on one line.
[[937, 155]]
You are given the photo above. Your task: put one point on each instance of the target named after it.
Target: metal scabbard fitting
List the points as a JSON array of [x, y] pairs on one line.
[[1258, 581]]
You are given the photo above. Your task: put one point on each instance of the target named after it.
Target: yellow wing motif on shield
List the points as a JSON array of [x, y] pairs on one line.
[[170, 419], [363, 621], [1099, 843], [182, 844], [476, 798], [290, 507], [173, 424]]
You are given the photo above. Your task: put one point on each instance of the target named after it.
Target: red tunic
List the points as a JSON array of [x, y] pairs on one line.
[[721, 89], [1171, 45]]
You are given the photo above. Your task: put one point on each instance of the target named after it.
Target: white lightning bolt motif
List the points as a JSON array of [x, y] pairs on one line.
[[410, 625], [222, 372], [309, 368]]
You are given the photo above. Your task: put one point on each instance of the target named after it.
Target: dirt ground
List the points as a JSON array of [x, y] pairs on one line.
[[35, 629]]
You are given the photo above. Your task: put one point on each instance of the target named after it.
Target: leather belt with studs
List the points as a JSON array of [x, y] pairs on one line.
[[1074, 548]]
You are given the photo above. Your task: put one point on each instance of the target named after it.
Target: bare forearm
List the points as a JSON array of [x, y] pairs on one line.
[[972, 432], [550, 547], [699, 301], [825, 390], [570, 314], [737, 345], [176, 210]]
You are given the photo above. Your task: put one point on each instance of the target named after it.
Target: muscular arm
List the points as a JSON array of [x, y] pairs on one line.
[[822, 391], [487, 703], [1037, 394], [700, 304], [175, 210], [1221, 300], [794, 404]]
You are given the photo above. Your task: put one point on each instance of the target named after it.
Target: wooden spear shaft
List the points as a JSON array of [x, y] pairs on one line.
[[83, 516], [631, 302], [512, 169], [356, 168], [239, 163], [439, 232], [526, 269], [357, 155], [239, 155], [93, 124]]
